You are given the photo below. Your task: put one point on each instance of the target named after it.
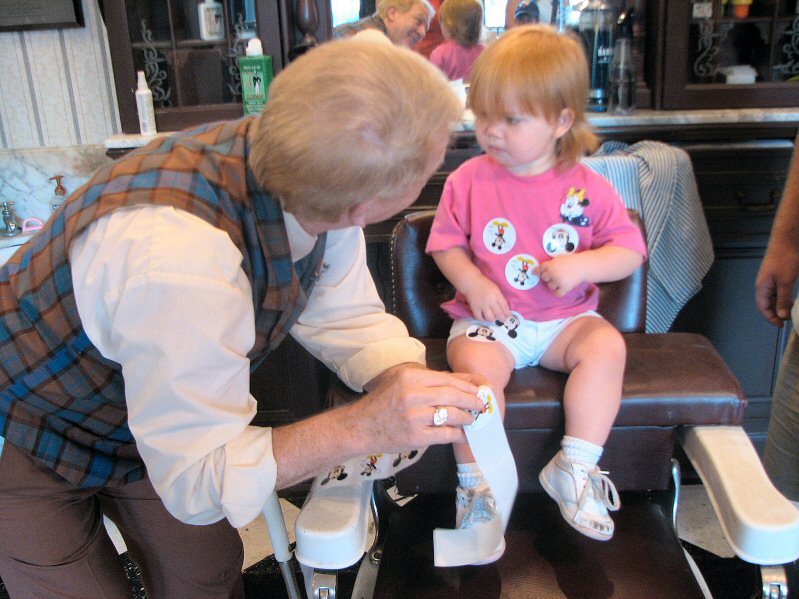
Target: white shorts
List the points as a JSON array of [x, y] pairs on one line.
[[527, 340]]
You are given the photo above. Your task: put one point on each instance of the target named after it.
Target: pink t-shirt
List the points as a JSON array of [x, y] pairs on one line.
[[510, 224], [454, 59]]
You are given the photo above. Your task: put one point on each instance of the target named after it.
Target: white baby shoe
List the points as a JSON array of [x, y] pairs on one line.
[[475, 507], [584, 494]]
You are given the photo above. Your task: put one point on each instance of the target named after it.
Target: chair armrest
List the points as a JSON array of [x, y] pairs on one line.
[[760, 524]]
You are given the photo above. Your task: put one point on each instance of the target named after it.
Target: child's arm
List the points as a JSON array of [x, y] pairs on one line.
[[607, 263], [485, 299]]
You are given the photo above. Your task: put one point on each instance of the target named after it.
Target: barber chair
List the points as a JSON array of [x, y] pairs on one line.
[[677, 392]]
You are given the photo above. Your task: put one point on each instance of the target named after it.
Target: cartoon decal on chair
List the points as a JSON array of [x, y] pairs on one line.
[[372, 466], [405, 456], [337, 473]]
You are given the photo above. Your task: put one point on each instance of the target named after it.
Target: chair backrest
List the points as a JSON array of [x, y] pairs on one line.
[[418, 288]]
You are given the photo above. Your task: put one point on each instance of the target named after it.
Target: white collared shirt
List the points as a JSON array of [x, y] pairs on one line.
[[162, 293]]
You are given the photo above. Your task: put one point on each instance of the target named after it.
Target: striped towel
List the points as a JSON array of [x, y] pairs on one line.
[[658, 180], [622, 172]]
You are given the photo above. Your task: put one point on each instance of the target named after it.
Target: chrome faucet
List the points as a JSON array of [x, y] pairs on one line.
[[9, 220]]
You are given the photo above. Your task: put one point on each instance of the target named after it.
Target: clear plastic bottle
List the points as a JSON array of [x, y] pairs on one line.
[[597, 25], [623, 76]]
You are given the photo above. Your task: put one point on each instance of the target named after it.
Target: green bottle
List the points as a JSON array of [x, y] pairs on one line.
[[256, 75]]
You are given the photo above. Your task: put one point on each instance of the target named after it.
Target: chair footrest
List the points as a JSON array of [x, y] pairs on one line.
[[332, 527]]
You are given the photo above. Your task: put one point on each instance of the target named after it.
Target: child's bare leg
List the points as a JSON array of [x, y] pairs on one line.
[[474, 501], [491, 359], [594, 354]]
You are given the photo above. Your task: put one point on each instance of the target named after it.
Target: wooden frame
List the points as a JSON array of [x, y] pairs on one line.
[[22, 15]]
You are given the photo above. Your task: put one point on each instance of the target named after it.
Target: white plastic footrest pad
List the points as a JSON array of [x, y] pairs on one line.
[[760, 524], [333, 525]]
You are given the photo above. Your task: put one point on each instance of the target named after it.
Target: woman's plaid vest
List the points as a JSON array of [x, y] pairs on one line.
[[60, 400]]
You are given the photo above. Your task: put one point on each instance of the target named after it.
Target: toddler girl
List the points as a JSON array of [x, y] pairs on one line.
[[524, 233]]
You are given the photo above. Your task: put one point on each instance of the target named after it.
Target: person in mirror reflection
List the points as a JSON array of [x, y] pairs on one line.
[[434, 36], [522, 12], [462, 24], [775, 299], [524, 233], [404, 22], [132, 322]]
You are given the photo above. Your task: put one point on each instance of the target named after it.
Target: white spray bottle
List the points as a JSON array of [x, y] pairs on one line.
[[144, 106]]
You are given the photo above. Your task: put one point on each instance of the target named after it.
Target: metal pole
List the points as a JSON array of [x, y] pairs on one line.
[[280, 543]]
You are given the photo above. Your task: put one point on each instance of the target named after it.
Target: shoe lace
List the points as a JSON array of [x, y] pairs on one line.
[[603, 490], [481, 510]]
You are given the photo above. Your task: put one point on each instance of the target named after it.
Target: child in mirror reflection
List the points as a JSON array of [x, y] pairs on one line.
[[462, 26]]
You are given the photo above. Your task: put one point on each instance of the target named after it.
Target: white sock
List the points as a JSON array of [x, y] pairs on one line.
[[580, 450], [469, 476]]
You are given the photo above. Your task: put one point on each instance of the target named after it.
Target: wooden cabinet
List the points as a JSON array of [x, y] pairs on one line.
[[693, 44], [196, 80]]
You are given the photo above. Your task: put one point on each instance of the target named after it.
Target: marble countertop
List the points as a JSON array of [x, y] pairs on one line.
[[696, 117], [7, 242], [659, 118], [122, 141], [639, 118]]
